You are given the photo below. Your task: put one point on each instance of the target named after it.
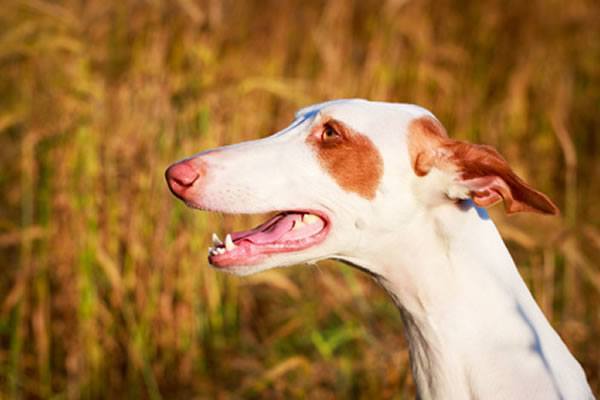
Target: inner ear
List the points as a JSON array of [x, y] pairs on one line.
[[481, 169]]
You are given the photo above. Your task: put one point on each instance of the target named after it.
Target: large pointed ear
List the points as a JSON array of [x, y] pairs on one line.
[[480, 170]]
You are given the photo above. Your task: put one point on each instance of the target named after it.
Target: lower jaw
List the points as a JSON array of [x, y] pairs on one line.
[[256, 254], [249, 254]]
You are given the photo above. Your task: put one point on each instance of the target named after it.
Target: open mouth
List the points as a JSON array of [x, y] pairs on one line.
[[288, 231]]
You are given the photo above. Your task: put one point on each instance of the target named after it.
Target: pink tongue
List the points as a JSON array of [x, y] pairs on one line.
[[275, 231]]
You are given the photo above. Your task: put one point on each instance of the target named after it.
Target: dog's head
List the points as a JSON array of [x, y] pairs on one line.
[[343, 177]]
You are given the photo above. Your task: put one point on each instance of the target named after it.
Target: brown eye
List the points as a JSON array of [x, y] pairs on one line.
[[329, 134]]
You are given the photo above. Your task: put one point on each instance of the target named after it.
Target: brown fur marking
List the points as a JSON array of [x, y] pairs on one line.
[[351, 159], [481, 168]]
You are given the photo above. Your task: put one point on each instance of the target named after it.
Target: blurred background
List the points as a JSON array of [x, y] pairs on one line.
[[104, 289]]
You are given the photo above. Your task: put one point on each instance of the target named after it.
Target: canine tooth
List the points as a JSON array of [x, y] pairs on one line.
[[215, 239], [298, 224], [310, 218], [229, 245]]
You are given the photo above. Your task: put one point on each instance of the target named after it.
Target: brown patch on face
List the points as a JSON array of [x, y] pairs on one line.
[[348, 156], [479, 167]]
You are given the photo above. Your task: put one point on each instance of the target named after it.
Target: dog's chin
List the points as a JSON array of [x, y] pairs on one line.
[[243, 270], [276, 261]]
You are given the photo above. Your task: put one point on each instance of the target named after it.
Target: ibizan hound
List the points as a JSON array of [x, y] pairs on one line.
[[382, 187]]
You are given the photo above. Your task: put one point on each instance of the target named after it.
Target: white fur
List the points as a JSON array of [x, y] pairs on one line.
[[473, 328]]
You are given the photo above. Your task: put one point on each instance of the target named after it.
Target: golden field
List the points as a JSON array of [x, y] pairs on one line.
[[105, 290]]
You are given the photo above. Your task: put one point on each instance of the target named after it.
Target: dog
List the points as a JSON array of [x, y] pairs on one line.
[[382, 187]]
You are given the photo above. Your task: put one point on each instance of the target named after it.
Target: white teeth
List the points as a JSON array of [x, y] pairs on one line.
[[213, 251], [215, 240], [218, 246], [298, 224], [310, 218], [229, 245]]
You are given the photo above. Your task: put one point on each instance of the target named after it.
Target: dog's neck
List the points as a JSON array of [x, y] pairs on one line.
[[473, 328]]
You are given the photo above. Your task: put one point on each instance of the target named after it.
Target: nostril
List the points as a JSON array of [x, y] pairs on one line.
[[181, 174]]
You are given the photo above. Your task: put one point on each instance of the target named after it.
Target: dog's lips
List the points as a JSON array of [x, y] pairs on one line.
[[288, 231]]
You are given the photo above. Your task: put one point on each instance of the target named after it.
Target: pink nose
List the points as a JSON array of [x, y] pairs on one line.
[[181, 176]]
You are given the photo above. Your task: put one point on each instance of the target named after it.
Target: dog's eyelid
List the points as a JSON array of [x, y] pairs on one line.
[[337, 126]]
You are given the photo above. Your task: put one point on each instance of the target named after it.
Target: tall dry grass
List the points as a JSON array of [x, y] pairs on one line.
[[105, 291]]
